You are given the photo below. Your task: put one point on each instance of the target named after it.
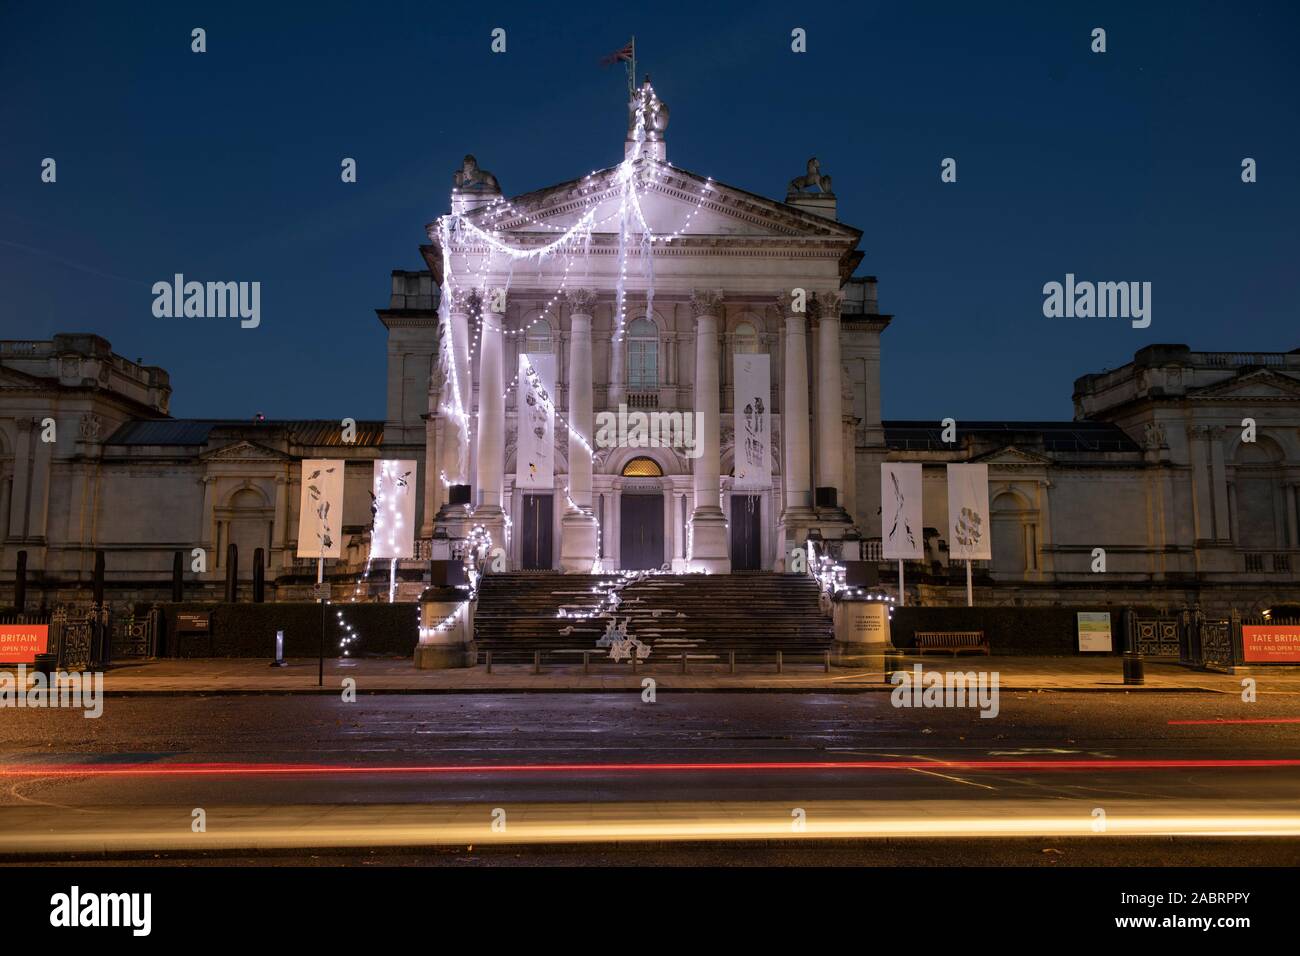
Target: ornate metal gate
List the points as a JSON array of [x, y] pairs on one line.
[[1157, 637]]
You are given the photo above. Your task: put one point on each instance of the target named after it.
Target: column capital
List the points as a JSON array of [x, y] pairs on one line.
[[827, 304], [460, 300], [581, 301], [785, 302], [706, 302]]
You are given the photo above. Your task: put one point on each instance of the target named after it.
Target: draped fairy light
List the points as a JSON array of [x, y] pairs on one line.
[[623, 185], [478, 546]]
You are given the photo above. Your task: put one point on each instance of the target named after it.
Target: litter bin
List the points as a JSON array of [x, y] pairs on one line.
[[45, 664]]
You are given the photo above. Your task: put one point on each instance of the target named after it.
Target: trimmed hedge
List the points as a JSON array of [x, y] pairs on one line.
[[1010, 630], [248, 630]]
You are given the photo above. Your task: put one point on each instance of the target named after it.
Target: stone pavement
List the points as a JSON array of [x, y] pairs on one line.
[[398, 676]]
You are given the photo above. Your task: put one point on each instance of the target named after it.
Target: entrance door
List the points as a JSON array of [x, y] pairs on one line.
[[535, 542], [746, 533], [641, 532]]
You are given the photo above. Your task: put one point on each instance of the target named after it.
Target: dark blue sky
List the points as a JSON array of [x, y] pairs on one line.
[[225, 166]]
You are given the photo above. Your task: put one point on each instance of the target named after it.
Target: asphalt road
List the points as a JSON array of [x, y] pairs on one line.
[[693, 777]]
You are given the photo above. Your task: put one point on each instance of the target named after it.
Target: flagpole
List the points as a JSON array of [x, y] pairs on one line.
[[631, 71]]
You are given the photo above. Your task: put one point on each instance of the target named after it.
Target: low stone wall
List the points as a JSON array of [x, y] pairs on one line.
[[1010, 630], [248, 630]]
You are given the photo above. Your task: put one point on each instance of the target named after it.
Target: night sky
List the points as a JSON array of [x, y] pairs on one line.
[[225, 166]]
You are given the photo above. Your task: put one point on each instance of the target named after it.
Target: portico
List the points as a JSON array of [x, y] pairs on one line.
[[640, 285]]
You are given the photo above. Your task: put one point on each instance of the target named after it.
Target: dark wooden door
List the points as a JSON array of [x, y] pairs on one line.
[[746, 533], [535, 540], [641, 532]]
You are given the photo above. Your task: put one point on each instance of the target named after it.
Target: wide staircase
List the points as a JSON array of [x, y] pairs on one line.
[[753, 614]]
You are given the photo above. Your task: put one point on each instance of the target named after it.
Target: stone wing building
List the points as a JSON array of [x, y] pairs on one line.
[[1158, 474]]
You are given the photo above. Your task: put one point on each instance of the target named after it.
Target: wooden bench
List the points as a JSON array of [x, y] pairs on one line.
[[954, 642]]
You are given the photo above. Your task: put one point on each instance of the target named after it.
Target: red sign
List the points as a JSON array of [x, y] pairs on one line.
[[20, 643], [1271, 643]]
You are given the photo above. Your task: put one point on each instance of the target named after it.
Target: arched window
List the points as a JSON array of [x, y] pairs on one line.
[[539, 338], [744, 341], [642, 354], [642, 468]]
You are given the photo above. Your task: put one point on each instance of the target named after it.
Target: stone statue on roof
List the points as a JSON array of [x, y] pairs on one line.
[[802, 185], [469, 176]]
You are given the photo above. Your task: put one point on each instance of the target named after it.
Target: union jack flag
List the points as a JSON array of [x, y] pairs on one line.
[[628, 53]]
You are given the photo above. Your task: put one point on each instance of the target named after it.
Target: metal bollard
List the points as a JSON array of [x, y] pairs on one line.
[[1134, 669], [826, 661], [489, 662], [731, 660], [683, 662], [586, 662], [537, 662], [779, 668]]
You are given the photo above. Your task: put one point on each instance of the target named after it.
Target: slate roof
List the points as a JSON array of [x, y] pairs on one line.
[[196, 431], [1054, 436]]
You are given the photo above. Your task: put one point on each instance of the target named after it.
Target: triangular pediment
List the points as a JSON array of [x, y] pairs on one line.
[[1011, 455], [244, 451], [1256, 385], [674, 202]]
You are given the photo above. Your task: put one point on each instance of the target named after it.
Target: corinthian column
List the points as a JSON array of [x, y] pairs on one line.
[[830, 410], [456, 394], [578, 526], [798, 513], [491, 419], [708, 537]]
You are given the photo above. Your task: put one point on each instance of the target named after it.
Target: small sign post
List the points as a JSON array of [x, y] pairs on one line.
[[1094, 632]]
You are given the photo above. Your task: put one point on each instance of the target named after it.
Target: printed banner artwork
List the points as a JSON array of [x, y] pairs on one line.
[[535, 448], [968, 513], [901, 535], [320, 509], [393, 533], [1094, 631], [1269, 643], [20, 643], [752, 398]]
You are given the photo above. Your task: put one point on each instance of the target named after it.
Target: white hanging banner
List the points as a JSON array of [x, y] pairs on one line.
[[320, 509], [751, 400], [393, 533], [968, 513], [901, 535], [535, 447]]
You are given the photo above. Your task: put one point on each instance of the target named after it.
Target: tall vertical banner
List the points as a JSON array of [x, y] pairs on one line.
[[320, 509], [968, 513], [535, 447], [901, 534], [393, 488], [751, 401]]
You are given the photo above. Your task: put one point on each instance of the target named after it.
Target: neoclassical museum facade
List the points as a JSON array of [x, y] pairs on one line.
[[645, 288]]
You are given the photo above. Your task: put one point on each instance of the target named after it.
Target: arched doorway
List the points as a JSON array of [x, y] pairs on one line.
[[641, 516]]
